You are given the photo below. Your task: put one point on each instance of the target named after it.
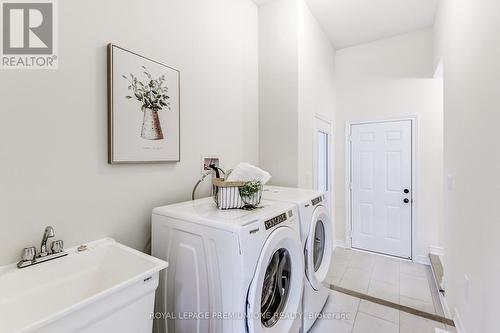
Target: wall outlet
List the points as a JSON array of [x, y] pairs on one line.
[[208, 160]]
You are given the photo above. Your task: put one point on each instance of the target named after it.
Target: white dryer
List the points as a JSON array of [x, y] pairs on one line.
[[317, 244], [231, 271]]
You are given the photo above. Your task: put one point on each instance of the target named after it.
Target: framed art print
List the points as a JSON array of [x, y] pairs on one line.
[[143, 109]]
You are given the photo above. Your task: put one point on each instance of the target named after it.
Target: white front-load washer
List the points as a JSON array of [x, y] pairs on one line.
[[231, 271], [317, 243]]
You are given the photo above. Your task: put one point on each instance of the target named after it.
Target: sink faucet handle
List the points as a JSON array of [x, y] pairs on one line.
[[28, 254], [57, 246]]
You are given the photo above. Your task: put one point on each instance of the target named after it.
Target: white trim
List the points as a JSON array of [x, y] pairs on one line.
[[436, 250], [439, 70], [381, 255], [459, 325], [422, 259], [317, 119], [347, 187], [323, 118], [444, 304], [340, 243], [415, 181], [320, 119], [442, 298]]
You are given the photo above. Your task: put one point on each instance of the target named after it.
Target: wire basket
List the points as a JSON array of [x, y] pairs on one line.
[[227, 195]]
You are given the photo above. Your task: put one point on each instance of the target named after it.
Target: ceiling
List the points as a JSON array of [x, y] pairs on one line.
[[353, 22]]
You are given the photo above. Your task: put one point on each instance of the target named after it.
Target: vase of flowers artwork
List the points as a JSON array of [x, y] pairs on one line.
[[143, 109], [153, 97]]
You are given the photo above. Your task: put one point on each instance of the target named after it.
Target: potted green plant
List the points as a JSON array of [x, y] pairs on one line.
[[251, 193]]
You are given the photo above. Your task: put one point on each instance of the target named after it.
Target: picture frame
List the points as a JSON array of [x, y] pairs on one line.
[[143, 109]]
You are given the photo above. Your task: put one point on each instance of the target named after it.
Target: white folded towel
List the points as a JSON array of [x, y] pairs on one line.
[[245, 172]]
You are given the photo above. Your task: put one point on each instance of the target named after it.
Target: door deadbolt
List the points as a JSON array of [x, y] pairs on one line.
[[406, 191]]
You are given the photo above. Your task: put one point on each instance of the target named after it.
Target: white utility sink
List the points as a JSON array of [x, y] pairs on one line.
[[106, 288]]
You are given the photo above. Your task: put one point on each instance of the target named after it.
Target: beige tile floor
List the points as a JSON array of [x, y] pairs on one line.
[[391, 279], [346, 314]]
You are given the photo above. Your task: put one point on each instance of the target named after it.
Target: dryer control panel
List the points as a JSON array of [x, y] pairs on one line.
[[317, 200], [275, 221]]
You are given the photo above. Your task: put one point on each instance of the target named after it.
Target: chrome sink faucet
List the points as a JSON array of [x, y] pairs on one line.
[[29, 256], [49, 233]]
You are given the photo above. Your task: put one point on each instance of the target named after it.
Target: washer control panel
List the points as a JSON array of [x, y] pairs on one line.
[[275, 221]]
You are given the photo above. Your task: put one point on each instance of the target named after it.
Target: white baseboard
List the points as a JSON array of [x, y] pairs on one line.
[[340, 243], [444, 304], [436, 250], [459, 325], [422, 259]]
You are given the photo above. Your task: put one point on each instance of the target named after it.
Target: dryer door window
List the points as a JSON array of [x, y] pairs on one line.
[[276, 287], [319, 244], [319, 247], [275, 293]]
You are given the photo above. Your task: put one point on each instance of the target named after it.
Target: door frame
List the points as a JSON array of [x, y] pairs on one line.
[[318, 118], [414, 182]]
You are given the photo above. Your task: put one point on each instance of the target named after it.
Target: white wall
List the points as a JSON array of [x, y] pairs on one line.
[[53, 129], [467, 42], [297, 79], [278, 90], [387, 79], [316, 88]]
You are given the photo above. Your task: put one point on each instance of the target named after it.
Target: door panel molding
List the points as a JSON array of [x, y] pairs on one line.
[[414, 180]]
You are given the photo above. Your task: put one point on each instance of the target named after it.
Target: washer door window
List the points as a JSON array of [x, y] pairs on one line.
[[275, 293], [276, 287], [319, 246]]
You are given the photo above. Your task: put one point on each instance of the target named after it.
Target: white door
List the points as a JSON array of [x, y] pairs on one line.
[[381, 187]]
